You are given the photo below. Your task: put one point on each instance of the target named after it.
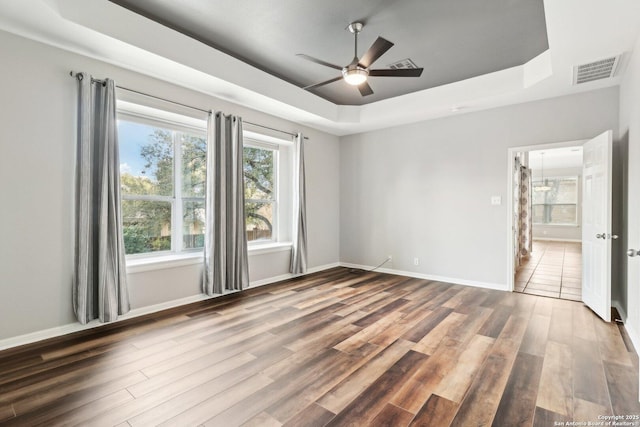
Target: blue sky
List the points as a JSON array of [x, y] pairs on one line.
[[132, 137]]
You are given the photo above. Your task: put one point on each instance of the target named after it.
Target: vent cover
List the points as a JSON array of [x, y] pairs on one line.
[[403, 63], [603, 69]]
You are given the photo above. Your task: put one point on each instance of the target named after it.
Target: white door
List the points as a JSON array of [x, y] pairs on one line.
[[596, 225]]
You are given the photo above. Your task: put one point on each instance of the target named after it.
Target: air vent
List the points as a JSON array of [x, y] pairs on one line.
[[597, 70], [404, 63]]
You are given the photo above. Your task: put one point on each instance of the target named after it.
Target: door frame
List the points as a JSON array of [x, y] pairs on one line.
[[511, 152]]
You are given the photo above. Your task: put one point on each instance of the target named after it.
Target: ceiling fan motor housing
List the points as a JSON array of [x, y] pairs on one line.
[[355, 27]]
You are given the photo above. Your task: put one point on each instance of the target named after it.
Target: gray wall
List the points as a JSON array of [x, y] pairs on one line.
[[424, 190], [37, 114], [417, 191]]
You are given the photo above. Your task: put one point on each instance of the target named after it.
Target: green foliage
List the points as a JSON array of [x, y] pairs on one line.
[[146, 226], [158, 154], [194, 167], [259, 179], [137, 240], [258, 173]]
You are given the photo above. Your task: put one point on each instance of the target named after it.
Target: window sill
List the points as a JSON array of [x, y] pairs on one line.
[[160, 262], [535, 224], [267, 248]]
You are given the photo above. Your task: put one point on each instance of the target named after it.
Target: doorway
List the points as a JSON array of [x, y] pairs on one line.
[[548, 256]]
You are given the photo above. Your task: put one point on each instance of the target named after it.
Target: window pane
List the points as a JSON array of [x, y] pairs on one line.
[[259, 220], [537, 197], [146, 159], [193, 224], [563, 190], [562, 214], [538, 214], [567, 191], [194, 155], [146, 226], [558, 205], [258, 173]]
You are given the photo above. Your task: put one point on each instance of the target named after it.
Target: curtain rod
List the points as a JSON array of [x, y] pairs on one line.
[[76, 75]]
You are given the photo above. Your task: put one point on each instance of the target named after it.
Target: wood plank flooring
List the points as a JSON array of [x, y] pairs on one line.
[[336, 348]]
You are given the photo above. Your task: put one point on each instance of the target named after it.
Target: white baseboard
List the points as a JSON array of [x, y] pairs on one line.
[[633, 334], [453, 280], [77, 327], [269, 280]]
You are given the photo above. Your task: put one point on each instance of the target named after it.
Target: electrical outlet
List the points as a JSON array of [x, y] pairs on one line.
[[416, 261]]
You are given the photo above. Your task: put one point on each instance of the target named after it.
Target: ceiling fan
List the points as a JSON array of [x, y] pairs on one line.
[[357, 71]]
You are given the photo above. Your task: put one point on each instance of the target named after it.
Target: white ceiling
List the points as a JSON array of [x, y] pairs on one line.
[[556, 158], [579, 31]]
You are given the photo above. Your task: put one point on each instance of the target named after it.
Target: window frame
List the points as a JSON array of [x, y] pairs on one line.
[[253, 142], [138, 111], [177, 209], [576, 221]]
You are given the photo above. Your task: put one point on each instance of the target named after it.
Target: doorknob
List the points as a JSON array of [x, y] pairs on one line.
[[601, 236], [614, 236], [632, 252]]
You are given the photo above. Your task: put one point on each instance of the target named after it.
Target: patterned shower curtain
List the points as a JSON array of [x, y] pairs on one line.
[[522, 213]]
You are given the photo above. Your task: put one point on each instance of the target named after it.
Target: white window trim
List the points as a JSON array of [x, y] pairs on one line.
[[254, 142], [175, 126]]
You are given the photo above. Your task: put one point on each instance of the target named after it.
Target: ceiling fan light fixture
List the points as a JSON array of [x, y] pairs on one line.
[[544, 186], [355, 75]]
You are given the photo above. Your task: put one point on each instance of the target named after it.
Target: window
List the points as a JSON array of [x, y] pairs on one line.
[[559, 204], [260, 190], [162, 173]]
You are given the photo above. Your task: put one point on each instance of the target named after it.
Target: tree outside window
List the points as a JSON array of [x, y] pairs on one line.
[[259, 192], [161, 210], [559, 204]]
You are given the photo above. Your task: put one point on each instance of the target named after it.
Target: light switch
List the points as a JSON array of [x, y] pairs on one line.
[[496, 200]]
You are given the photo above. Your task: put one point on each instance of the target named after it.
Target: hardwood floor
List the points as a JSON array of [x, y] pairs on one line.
[[336, 348], [554, 269]]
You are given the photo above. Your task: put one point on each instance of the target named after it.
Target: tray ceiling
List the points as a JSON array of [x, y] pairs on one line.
[[451, 40]]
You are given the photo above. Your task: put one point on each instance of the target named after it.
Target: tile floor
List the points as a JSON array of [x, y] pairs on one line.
[[553, 270]]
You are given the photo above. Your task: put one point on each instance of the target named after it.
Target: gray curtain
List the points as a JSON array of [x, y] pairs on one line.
[[299, 247], [99, 280], [522, 220], [225, 242]]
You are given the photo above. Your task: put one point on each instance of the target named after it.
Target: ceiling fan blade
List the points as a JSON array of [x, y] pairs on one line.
[[318, 61], [323, 83], [377, 49], [401, 72], [365, 89]]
